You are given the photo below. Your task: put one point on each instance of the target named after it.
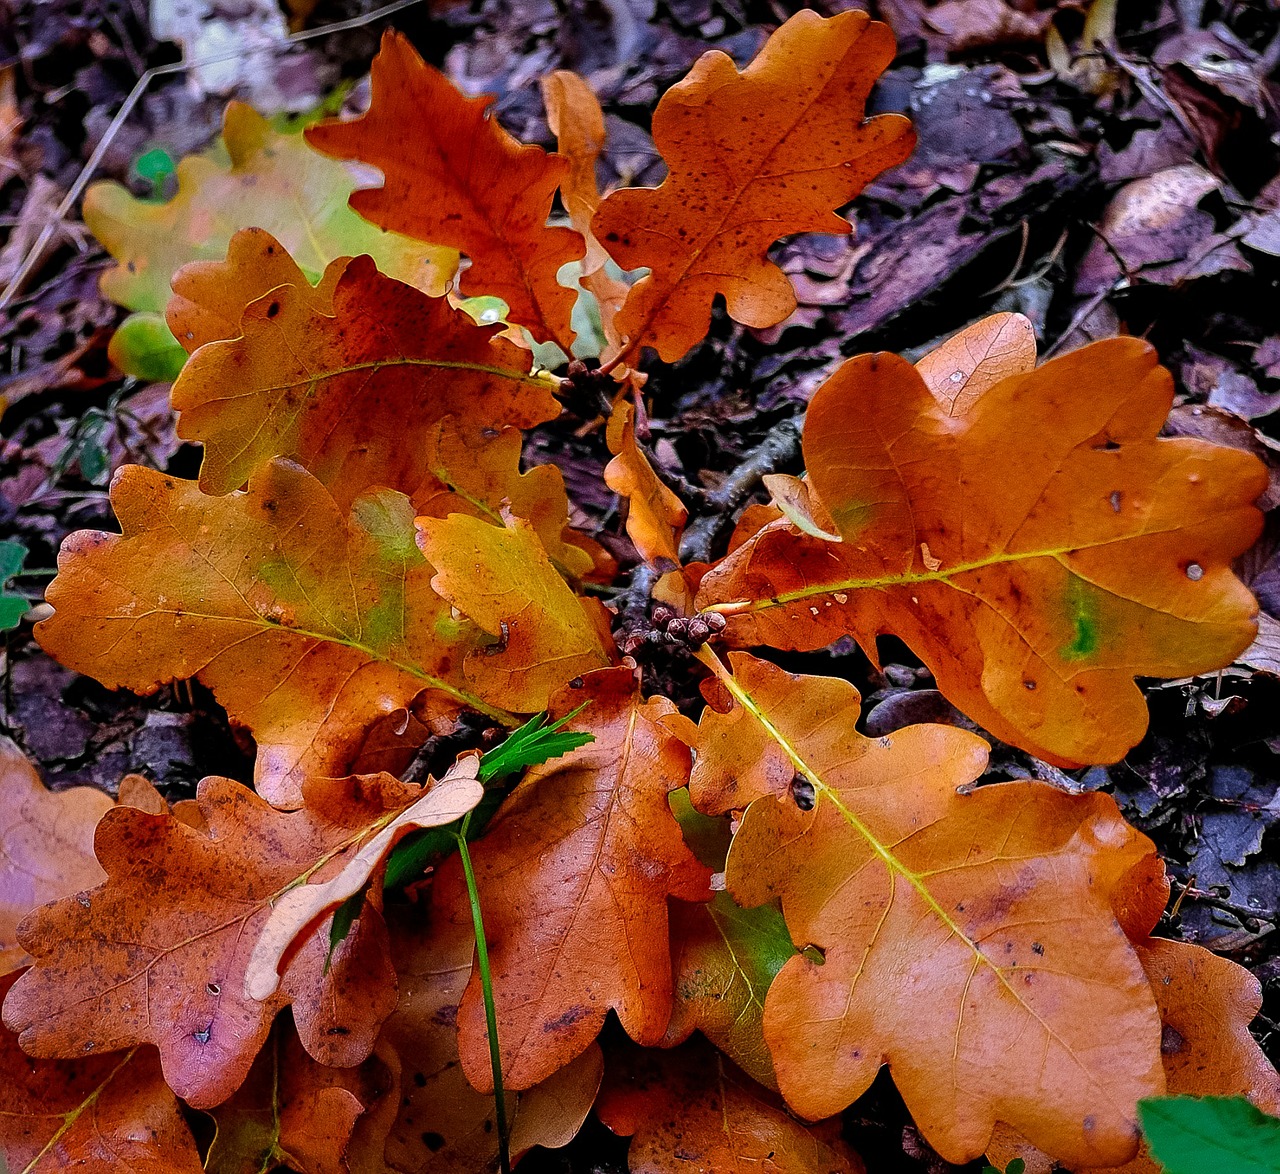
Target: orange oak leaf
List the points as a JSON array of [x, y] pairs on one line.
[[461, 181], [209, 297], [158, 954], [351, 392], [444, 1126], [752, 157], [1037, 552], [968, 939], [290, 1113], [723, 959], [972, 362], [691, 1111], [304, 906], [1206, 1005], [501, 578], [655, 515], [575, 118], [480, 475], [573, 875], [257, 176], [46, 845], [308, 625], [94, 1114]]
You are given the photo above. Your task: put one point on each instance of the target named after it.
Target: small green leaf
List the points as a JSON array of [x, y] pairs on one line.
[[344, 918], [12, 607], [155, 167], [144, 346], [1210, 1135]]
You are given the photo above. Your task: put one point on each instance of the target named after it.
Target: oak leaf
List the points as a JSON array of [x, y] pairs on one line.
[[159, 953], [501, 578], [306, 624], [655, 515], [968, 940], [351, 391], [573, 875], [461, 181], [969, 364], [256, 176], [46, 845], [94, 1114], [290, 1113], [691, 1111], [1037, 551], [443, 1125], [751, 157]]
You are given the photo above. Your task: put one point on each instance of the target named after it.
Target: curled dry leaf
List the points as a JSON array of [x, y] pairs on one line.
[[751, 157], [350, 391], [1037, 552], [159, 953], [461, 181], [691, 1111], [792, 497], [290, 1112], [305, 905], [655, 515], [502, 579], [93, 1114], [968, 940], [257, 176], [573, 875], [444, 1126], [308, 625], [46, 845]]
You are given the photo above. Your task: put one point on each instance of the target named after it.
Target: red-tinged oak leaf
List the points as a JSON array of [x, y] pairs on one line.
[[291, 1113], [501, 578], [351, 392], [655, 515], [209, 297], [93, 1114], [751, 157], [461, 181], [159, 953], [972, 362], [443, 1125], [1206, 1005], [1037, 552], [968, 939], [690, 1111], [575, 118], [308, 625], [573, 875], [724, 959], [260, 177], [46, 845]]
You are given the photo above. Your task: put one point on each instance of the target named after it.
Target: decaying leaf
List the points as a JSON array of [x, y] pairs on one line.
[[158, 954], [690, 1111], [259, 177], [350, 392], [93, 1114], [307, 625], [443, 1125], [723, 959], [461, 181], [573, 875], [968, 940], [290, 1113], [46, 845], [1037, 551], [655, 515], [501, 578], [751, 157], [304, 906]]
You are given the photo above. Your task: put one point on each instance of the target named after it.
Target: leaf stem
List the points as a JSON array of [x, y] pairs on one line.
[[486, 987]]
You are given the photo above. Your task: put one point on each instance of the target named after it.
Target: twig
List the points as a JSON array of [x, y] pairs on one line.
[[36, 251], [781, 445]]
